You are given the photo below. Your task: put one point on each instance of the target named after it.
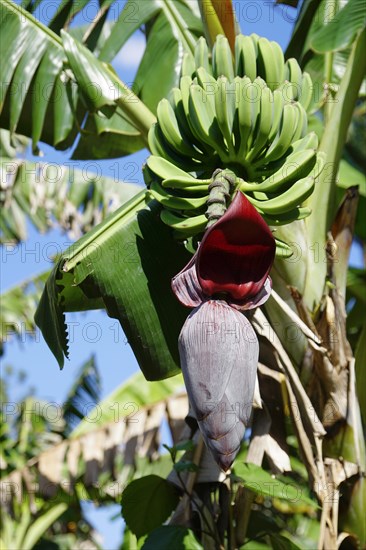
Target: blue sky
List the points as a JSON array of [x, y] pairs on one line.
[[95, 332]]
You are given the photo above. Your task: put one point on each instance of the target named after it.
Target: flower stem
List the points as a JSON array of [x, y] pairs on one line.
[[220, 190]]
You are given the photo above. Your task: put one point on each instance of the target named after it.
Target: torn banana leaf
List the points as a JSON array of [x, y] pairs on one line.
[[125, 265]]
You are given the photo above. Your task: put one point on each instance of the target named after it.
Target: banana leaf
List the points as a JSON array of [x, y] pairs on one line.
[[125, 263], [172, 29], [35, 79]]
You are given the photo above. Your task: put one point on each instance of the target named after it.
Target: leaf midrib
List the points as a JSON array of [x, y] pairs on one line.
[[102, 234], [23, 13], [171, 11]]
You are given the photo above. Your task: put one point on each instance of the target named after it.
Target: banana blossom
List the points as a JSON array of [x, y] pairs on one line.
[[218, 347]]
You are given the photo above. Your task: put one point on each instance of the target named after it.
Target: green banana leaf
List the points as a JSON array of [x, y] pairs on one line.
[[101, 87], [323, 201], [12, 146], [125, 405], [316, 67], [45, 87], [313, 37], [137, 391], [342, 29], [303, 23], [47, 193], [18, 305], [349, 175], [126, 262], [172, 28], [172, 23], [106, 138], [327, 46], [41, 524], [84, 392], [67, 10], [26, 533]]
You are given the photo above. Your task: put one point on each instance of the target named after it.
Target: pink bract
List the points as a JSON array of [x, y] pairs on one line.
[[232, 262], [236, 253]]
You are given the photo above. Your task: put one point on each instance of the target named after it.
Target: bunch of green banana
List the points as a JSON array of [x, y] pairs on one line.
[[253, 57], [218, 120], [277, 198]]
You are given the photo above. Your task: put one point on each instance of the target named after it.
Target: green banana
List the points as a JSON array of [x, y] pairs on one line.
[[297, 165], [175, 202], [256, 92], [283, 139], [264, 124], [249, 104], [244, 115], [203, 121], [186, 185], [225, 110], [293, 74], [176, 102], [298, 213], [239, 122], [245, 57], [310, 141], [295, 195], [165, 169], [288, 200], [266, 66], [255, 38], [182, 225], [188, 64], [185, 85], [282, 249], [155, 146], [201, 54], [208, 83], [279, 61], [307, 91], [302, 123], [161, 147], [278, 104], [293, 71], [236, 130], [169, 126], [222, 59]]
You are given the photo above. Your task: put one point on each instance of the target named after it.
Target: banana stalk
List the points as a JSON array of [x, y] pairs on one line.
[[332, 144]]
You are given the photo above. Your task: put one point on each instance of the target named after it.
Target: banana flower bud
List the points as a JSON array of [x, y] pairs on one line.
[[218, 346]]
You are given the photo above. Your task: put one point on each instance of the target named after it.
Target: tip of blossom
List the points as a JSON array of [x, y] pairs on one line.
[[219, 350]]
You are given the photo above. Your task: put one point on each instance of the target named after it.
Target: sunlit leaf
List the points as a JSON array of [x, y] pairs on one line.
[[263, 483], [127, 399]]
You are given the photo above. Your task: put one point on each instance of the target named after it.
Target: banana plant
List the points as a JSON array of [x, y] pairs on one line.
[[235, 178], [33, 515], [72, 458], [25, 532]]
